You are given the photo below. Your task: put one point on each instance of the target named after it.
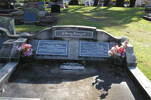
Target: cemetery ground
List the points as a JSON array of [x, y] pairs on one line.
[[115, 20]]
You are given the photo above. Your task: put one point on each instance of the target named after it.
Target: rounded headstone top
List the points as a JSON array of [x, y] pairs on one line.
[[124, 38], [25, 34]]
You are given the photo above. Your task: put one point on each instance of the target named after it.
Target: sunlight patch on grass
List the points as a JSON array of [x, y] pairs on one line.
[[28, 28]]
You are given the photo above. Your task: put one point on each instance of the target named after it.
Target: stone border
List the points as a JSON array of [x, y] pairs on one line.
[[10, 98], [147, 18], [141, 81], [136, 75], [6, 72]]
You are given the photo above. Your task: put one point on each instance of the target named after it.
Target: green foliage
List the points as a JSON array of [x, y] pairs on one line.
[[28, 28]]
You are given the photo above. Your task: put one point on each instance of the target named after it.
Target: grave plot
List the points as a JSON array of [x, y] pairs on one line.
[[70, 62], [47, 81]]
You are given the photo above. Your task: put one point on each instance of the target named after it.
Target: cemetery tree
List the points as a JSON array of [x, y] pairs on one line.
[[119, 3], [96, 2], [132, 3], [106, 2], [74, 2]]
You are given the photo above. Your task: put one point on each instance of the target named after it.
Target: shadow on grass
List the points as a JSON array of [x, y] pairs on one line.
[[100, 17]]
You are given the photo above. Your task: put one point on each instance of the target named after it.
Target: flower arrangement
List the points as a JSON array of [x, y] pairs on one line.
[[25, 49], [119, 50]]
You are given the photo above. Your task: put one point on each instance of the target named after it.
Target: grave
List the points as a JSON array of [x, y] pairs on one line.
[[33, 13], [55, 8], [6, 29], [8, 23], [148, 12], [70, 62]]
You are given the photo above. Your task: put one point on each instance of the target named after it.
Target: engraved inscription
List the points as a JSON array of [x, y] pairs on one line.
[[93, 49], [74, 34], [52, 47]]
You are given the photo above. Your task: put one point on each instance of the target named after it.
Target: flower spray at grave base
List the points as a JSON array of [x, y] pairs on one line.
[[25, 49], [119, 51]]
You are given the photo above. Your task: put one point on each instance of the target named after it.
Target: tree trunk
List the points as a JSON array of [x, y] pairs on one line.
[[106, 2], [132, 3], [96, 2], [74, 2], [119, 3]]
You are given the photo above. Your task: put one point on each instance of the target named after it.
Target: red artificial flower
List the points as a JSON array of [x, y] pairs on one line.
[[23, 45], [120, 50]]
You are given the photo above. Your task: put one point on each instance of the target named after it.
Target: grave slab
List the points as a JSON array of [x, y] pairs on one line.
[[51, 83], [120, 92]]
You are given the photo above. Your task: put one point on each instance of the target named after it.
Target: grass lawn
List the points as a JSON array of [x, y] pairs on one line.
[[115, 20]]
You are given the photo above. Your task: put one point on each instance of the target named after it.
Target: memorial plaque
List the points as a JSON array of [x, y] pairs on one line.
[[52, 47], [74, 33], [93, 49]]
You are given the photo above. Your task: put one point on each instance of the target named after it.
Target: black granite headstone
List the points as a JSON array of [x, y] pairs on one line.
[[55, 8], [93, 49], [52, 47]]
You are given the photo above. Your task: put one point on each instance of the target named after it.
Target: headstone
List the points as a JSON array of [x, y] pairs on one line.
[[30, 14], [41, 6], [148, 12], [77, 43], [50, 4], [3, 38], [52, 47], [4, 4], [55, 8], [8, 23], [93, 49]]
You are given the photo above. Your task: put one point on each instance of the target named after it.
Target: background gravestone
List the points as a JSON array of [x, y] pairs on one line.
[[6, 4], [31, 14], [8, 23]]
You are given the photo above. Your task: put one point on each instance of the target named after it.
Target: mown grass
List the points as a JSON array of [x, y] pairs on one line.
[[118, 22], [28, 28]]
